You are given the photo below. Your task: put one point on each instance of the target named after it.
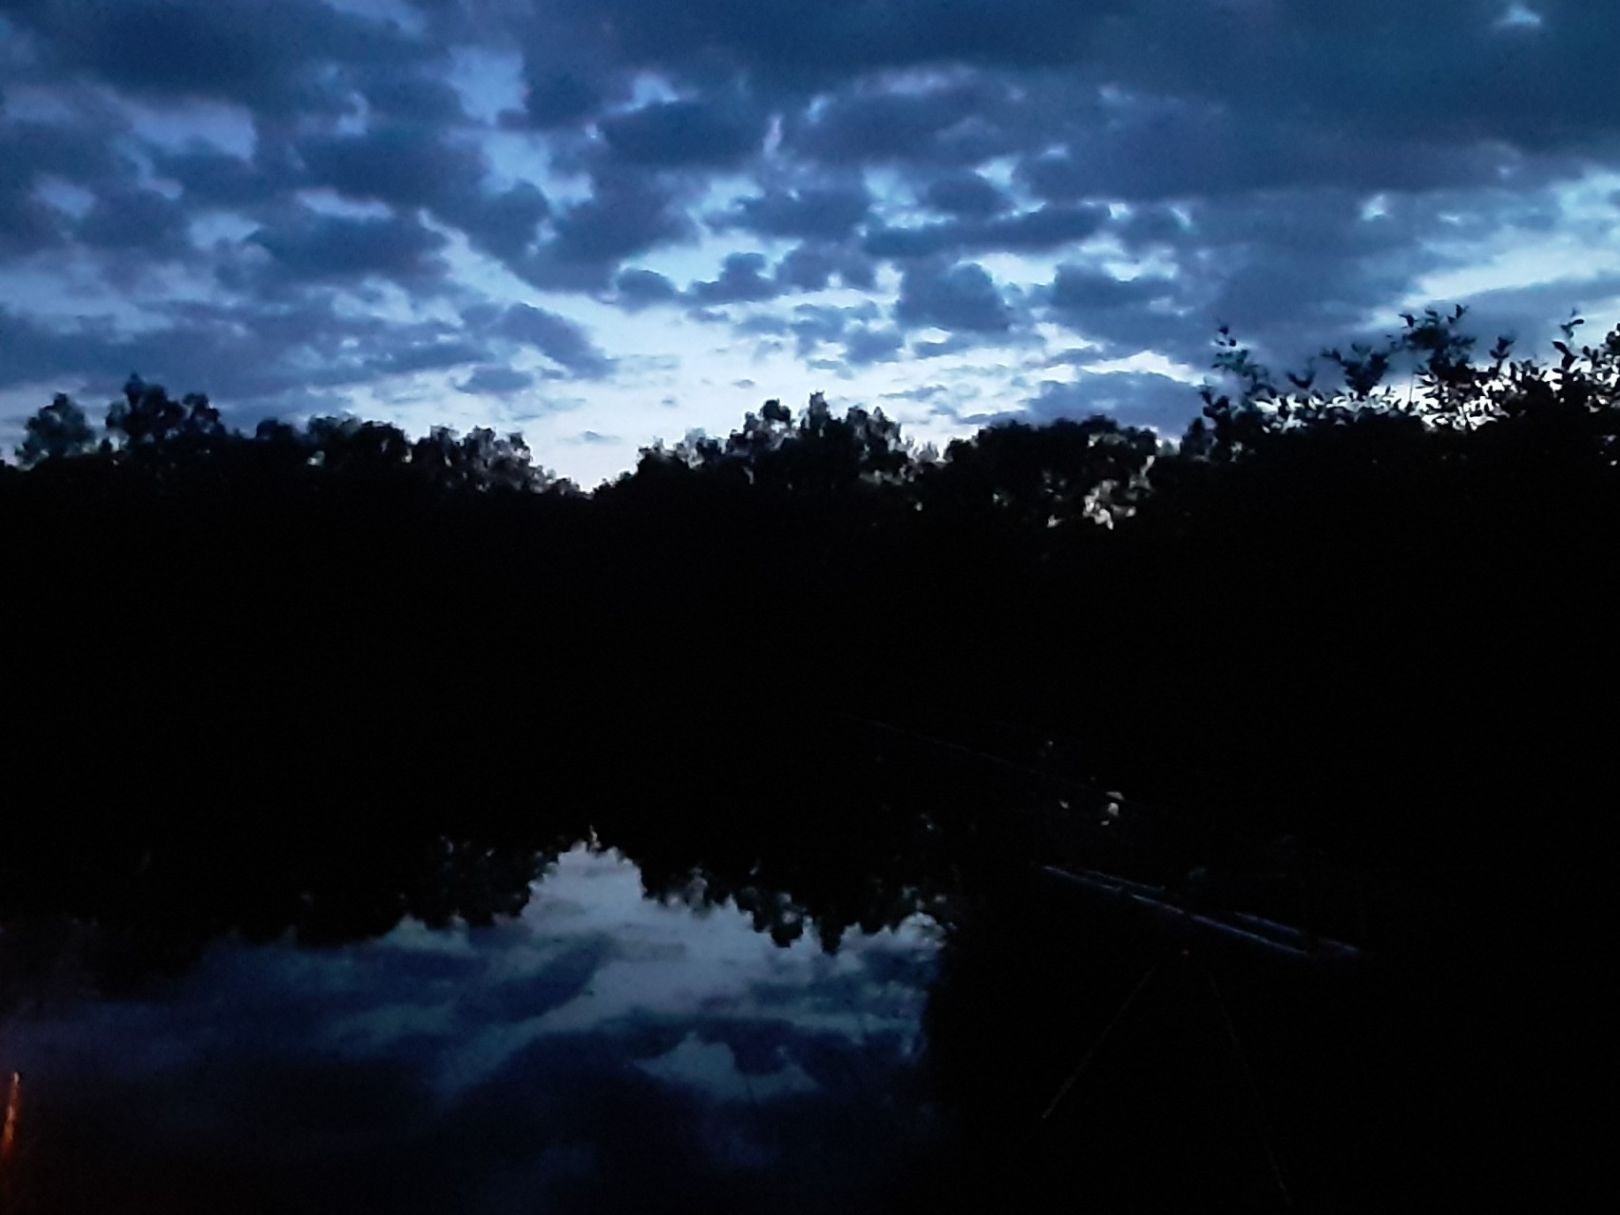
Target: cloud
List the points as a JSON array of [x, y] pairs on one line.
[[1155, 150], [863, 345], [438, 354], [496, 380], [819, 213], [404, 166], [813, 267], [965, 194], [963, 297], [676, 134], [557, 98], [211, 178], [268, 59], [815, 324], [1133, 171], [27, 225], [144, 220], [1531, 314], [741, 279], [1127, 315], [254, 359], [82, 153], [637, 288], [624, 216], [78, 151], [505, 224], [550, 1061], [316, 247], [1041, 229], [1133, 398], [418, 98], [940, 125], [1079, 289], [561, 340], [409, 166]]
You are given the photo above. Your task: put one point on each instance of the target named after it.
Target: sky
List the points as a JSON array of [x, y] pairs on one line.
[[605, 222]]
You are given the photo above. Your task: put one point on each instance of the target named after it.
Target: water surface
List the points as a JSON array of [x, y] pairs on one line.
[[599, 1051]]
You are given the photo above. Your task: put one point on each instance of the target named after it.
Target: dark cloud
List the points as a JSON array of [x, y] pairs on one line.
[[410, 166], [742, 279], [505, 224], [137, 220], [1080, 290], [798, 46], [81, 152], [864, 345], [1292, 170], [1037, 230], [211, 178], [762, 324], [1157, 150], [1290, 271], [254, 358], [1145, 226], [1447, 78], [807, 268], [558, 338], [965, 194], [962, 297], [438, 354], [552, 98], [1171, 70], [812, 325], [412, 98], [625, 215], [27, 225], [316, 247], [813, 267], [496, 380], [1135, 398], [822, 213], [679, 134], [637, 288], [268, 58], [942, 125], [404, 166], [1297, 271], [1043, 228], [1531, 315], [31, 351]]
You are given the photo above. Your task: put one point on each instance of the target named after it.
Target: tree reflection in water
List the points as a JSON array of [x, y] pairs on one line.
[[856, 1072]]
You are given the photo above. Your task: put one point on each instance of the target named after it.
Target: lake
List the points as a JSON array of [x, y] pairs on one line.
[[599, 1050], [821, 1016]]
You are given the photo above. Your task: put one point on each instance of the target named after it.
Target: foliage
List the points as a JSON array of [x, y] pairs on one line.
[[58, 431], [1392, 560], [149, 431]]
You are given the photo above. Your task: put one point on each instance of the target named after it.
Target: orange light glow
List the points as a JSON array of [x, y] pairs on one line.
[[8, 1134]]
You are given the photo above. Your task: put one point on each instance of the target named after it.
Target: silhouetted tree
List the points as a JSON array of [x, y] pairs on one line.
[[148, 418], [59, 430], [1250, 626]]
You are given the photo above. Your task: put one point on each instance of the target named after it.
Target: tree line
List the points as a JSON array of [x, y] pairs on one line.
[[1363, 602]]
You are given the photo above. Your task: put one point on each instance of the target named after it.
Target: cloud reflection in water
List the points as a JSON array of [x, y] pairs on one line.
[[599, 1051]]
